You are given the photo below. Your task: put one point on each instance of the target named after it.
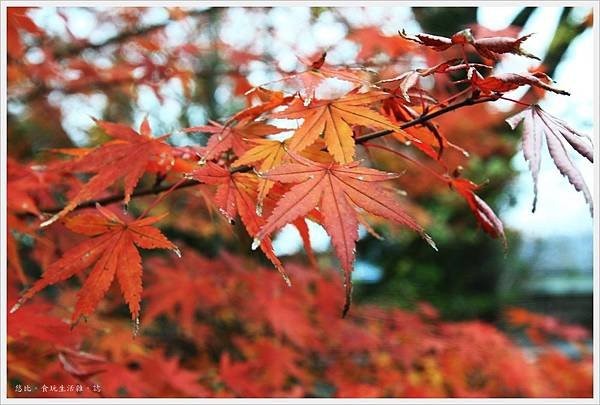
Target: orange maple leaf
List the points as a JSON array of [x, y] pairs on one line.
[[112, 250], [372, 42], [268, 100], [333, 118], [270, 153]]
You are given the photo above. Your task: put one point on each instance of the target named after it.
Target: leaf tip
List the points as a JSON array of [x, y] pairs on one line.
[[49, 221], [534, 204], [176, 250], [348, 287], [75, 320], [16, 307], [136, 326], [430, 242], [285, 277]]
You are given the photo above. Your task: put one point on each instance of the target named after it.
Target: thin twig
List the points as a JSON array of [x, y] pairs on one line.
[[424, 118]]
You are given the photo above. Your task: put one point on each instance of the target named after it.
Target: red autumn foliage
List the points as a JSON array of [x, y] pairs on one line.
[[250, 333], [278, 341]]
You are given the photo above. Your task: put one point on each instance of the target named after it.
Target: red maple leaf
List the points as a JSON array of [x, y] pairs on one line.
[[178, 285], [112, 252], [236, 194], [487, 47], [338, 191], [504, 82], [128, 157], [485, 216]]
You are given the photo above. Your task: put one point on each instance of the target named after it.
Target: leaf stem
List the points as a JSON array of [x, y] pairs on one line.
[[161, 197], [406, 157], [515, 101]]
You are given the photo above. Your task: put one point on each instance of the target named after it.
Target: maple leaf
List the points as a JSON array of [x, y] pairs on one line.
[[36, 321], [171, 375], [269, 99], [268, 368], [302, 228], [486, 47], [489, 47], [338, 191], [286, 312], [510, 81], [116, 341], [127, 158], [236, 194], [112, 252], [404, 82], [119, 379], [539, 125], [333, 118], [483, 213], [22, 181], [407, 80], [270, 153], [234, 137], [306, 82]]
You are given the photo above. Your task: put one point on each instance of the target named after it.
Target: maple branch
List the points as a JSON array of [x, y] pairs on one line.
[[241, 169], [140, 193], [119, 197], [424, 118]]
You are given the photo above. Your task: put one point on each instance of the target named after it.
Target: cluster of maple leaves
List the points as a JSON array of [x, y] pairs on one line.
[[328, 185], [254, 337], [325, 170]]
